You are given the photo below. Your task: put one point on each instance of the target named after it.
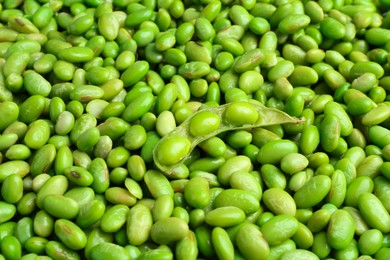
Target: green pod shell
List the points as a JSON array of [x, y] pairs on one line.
[[237, 115]]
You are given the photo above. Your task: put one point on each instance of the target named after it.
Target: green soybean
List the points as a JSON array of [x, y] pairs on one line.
[[256, 116]]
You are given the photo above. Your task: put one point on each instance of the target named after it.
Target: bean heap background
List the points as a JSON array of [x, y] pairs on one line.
[[273, 118]]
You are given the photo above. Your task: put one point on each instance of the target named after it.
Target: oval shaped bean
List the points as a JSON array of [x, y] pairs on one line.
[[267, 152], [251, 242], [318, 187], [12, 188], [70, 234], [279, 202], [60, 206], [169, 230], [225, 216], [9, 211], [107, 249], [279, 228], [197, 192], [204, 123], [370, 241], [340, 230], [114, 218], [224, 247], [373, 212]]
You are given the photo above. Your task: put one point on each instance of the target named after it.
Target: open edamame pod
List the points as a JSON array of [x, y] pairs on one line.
[[174, 148]]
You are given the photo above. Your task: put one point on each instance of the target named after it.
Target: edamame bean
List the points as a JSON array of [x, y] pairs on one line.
[[223, 246], [373, 211], [60, 206], [70, 234], [169, 230], [107, 249], [11, 247], [114, 218], [115, 97], [230, 116], [238, 198], [279, 202], [369, 241], [225, 216], [272, 232], [12, 188], [90, 213], [252, 248], [266, 154], [311, 187], [340, 229]]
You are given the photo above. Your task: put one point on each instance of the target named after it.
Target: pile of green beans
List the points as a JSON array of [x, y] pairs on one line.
[[194, 129]]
